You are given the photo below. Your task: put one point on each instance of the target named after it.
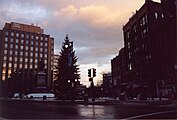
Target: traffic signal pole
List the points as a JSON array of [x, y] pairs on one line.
[[91, 75]]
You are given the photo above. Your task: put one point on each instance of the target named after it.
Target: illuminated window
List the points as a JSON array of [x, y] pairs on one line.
[[21, 59], [6, 45], [11, 40], [5, 52], [5, 57], [12, 34], [130, 66], [41, 49], [16, 41], [156, 15], [11, 46], [22, 41], [22, 35], [31, 54], [6, 39], [27, 36], [32, 43], [10, 52], [17, 34]]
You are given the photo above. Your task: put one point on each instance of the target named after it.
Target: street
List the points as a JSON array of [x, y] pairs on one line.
[[40, 110]]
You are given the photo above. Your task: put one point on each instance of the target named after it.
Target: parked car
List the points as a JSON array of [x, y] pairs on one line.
[[43, 96]]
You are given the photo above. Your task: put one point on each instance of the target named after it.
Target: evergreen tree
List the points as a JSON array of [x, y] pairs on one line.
[[67, 73]]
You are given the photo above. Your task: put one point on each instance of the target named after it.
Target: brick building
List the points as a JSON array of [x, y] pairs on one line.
[[22, 46], [150, 51]]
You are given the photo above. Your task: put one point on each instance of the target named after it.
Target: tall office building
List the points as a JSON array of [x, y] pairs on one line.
[[22, 47]]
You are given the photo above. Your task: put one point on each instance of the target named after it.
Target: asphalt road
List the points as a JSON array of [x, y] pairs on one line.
[[37, 110]]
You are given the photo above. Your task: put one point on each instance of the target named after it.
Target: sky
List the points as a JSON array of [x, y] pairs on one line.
[[95, 27]]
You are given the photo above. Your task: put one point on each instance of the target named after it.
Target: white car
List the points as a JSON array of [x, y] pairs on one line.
[[43, 96]]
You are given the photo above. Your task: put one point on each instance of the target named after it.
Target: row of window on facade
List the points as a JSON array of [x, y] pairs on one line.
[[143, 21], [12, 40], [146, 59], [21, 54], [15, 67], [26, 48], [22, 35], [21, 59]]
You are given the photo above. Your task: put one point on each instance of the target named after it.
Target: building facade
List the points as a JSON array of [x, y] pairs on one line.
[[22, 47], [150, 51]]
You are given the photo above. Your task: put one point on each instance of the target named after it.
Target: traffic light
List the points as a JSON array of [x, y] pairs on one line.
[[89, 72], [94, 72]]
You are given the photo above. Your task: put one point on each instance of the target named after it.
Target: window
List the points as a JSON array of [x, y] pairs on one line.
[[36, 60], [10, 65], [11, 40], [5, 52], [41, 49], [41, 55], [11, 46], [36, 43], [156, 15], [32, 48], [27, 36], [45, 50], [45, 44], [26, 66], [16, 53], [26, 48], [37, 37], [5, 58], [27, 42], [129, 55], [128, 44], [32, 43], [21, 53], [10, 58], [31, 60], [41, 43], [6, 39], [15, 59], [45, 56], [31, 54], [16, 47], [6, 45], [46, 39], [17, 34], [36, 49], [21, 47], [16, 41], [32, 36], [7, 33], [22, 41], [10, 52], [12, 33], [26, 60], [22, 35], [130, 66], [36, 55], [21, 59], [163, 15], [26, 53], [42, 38]]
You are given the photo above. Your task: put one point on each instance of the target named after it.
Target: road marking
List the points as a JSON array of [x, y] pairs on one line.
[[149, 114]]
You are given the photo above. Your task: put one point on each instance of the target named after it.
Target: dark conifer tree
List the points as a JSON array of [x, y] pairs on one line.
[[67, 73]]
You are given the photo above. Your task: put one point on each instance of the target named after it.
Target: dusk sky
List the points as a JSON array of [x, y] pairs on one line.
[[95, 26]]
